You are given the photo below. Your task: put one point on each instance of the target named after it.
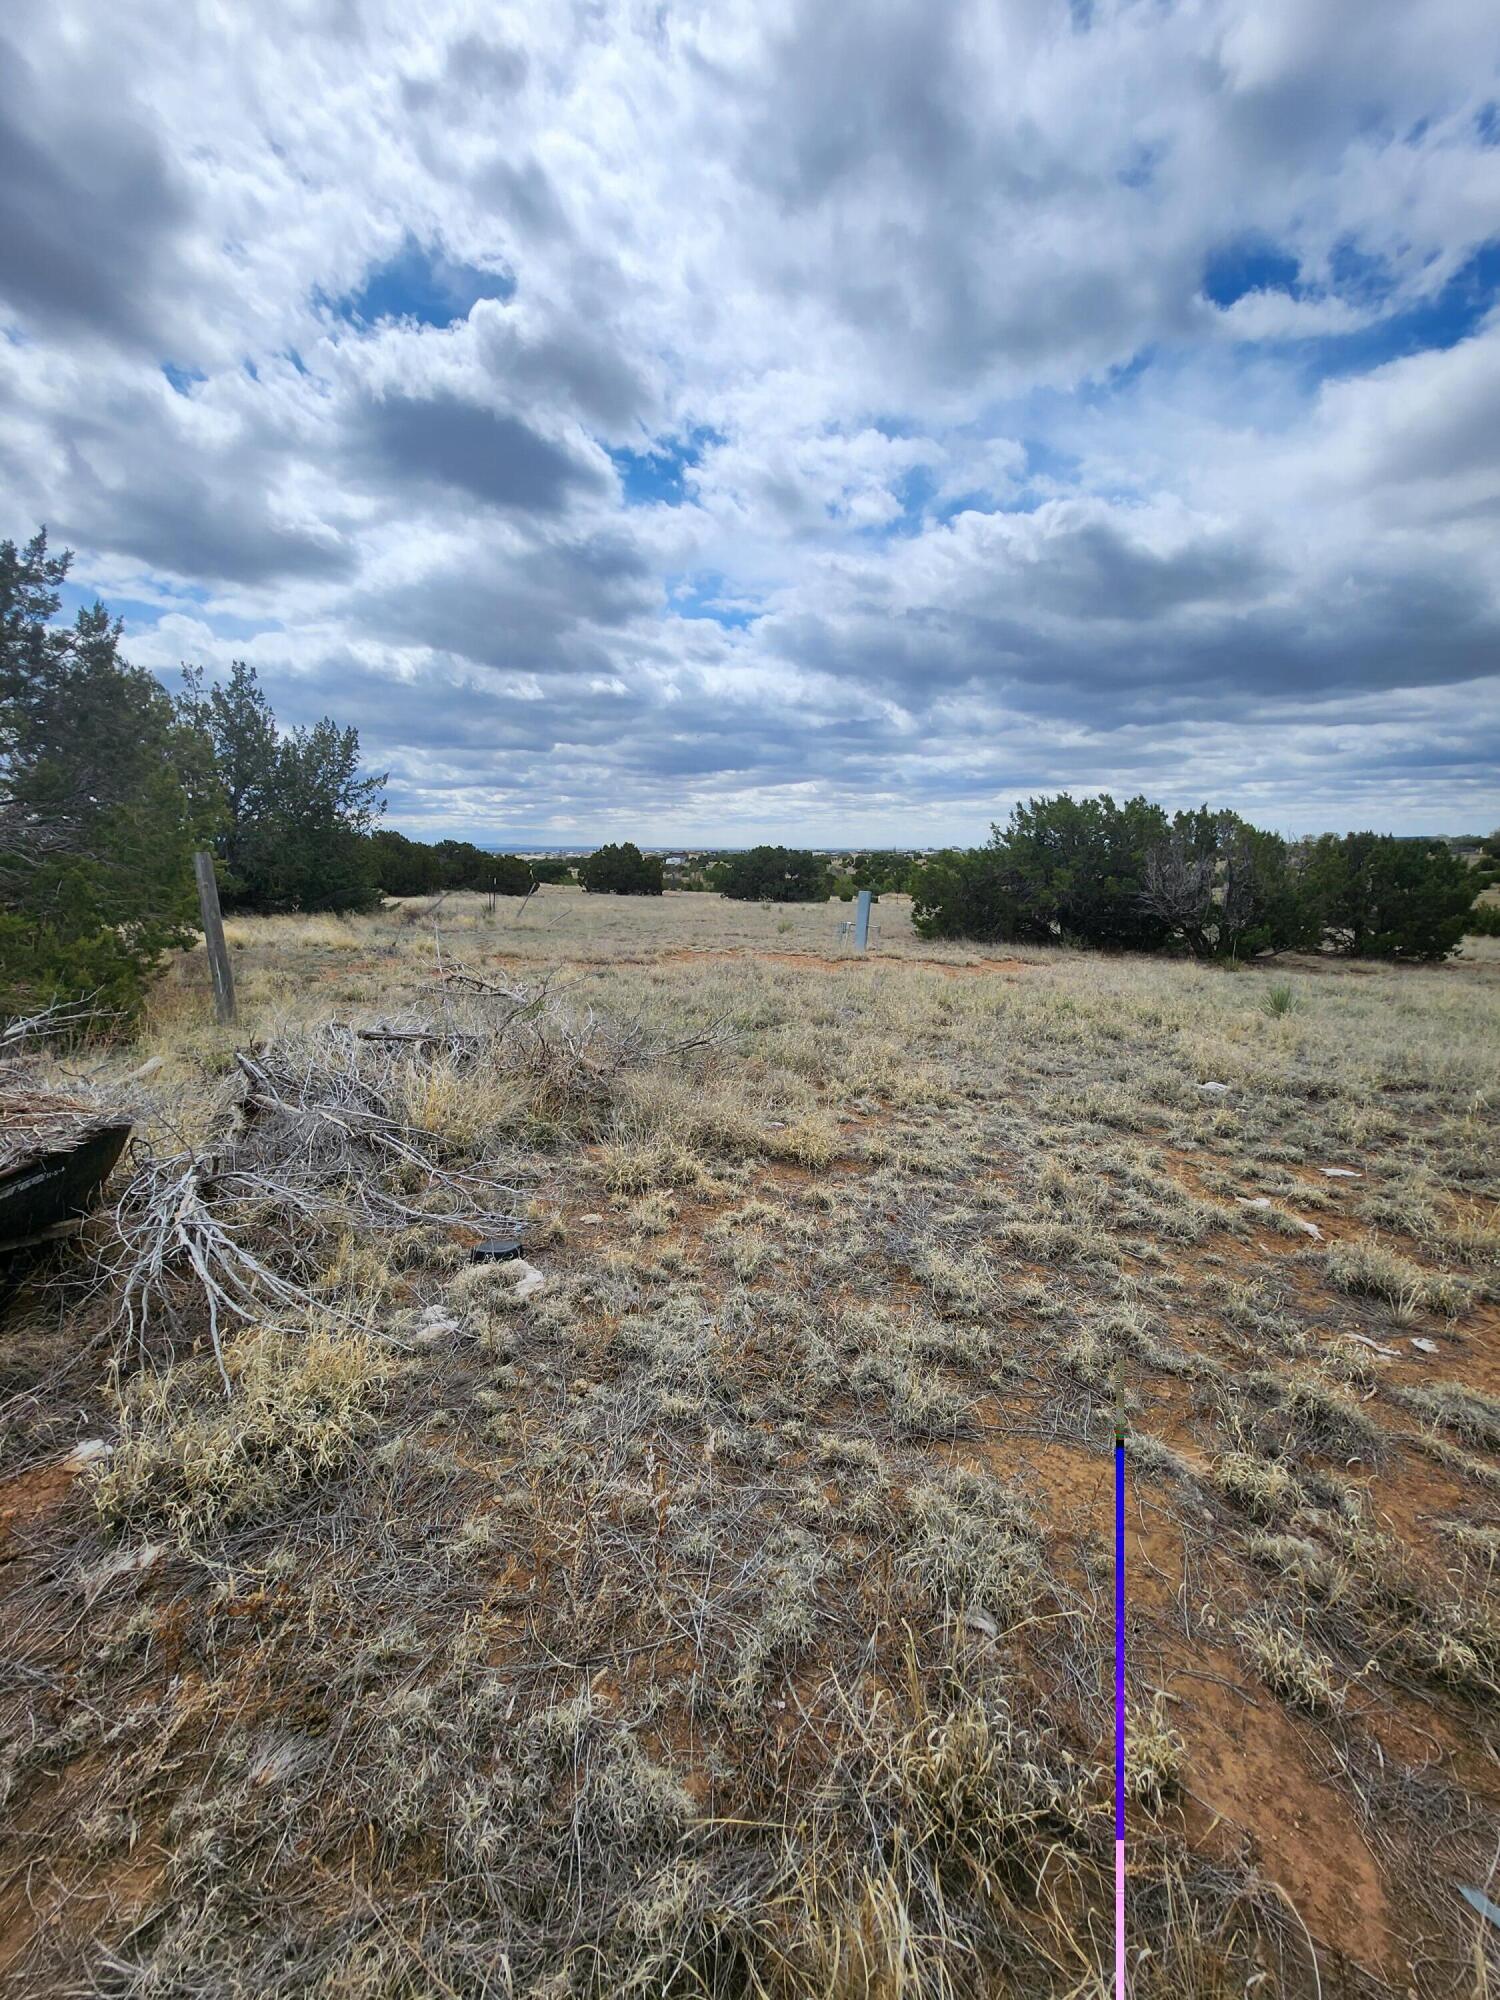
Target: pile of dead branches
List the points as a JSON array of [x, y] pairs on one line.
[[573, 1057], [34, 1122], [317, 1142]]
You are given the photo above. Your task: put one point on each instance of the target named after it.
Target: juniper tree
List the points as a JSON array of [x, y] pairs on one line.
[[97, 823]]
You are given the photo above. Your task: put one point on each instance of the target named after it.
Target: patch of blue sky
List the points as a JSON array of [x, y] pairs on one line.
[[137, 612], [1050, 464], [1359, 278], [1119, 379], [977, 501], [656, 476], [182, 379], [1487, 124], [702, 594], [1050, 474], [916, 491], [73, 597], [421, 284], [143, 614], [1249, 264], [1449, 314]]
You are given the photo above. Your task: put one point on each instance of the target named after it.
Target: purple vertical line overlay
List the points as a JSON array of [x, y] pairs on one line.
[[1119, 1711], [1119, 1638]]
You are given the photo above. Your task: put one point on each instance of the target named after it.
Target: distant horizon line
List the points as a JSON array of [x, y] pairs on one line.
[[561, 849]]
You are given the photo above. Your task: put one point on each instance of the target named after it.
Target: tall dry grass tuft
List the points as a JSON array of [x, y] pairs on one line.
[[194, 1463]]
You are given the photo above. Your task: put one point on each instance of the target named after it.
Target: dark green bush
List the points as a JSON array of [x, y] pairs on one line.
[[1091, 872], [1377, 896], [1224, 889], [772, 875], [975, 893], [406, 867], [1064, 869], [621, 870]]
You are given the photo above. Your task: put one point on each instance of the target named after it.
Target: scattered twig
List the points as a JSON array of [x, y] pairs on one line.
[[63, 1017]]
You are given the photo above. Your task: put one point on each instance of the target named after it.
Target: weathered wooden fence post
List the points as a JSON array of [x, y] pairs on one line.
[[213, 931]]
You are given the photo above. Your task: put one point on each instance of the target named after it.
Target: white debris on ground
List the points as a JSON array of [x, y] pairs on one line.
[[529, 1280], [1264, 1204], [1424, 1346], [1341, 1173], [121, 1562], [1214, 1089], [436, 1324], [85, 1454]]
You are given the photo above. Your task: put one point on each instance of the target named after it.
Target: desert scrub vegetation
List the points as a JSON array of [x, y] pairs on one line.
[[731, 1616], [1265, 1487], [1471, 1414], [1365, 1264], [195, 1462], [1290, 1667], [974, 1547], [1153, 1754]]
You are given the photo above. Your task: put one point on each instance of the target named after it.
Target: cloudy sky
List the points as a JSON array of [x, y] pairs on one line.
[[786, 419]]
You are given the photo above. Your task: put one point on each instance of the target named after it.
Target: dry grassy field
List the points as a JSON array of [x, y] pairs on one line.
[[731, 1613]]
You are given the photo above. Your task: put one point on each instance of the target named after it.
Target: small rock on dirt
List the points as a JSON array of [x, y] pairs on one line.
[[591, 1218], [1214, 1089], [1341, 1173], [432, 1332], [1424, 1346], [532, 1283]]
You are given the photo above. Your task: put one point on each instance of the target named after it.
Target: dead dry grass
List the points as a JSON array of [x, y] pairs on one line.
[[732, 1615]]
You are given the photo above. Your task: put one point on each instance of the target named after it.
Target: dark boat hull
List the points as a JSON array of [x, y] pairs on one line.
[[57, 1184]]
